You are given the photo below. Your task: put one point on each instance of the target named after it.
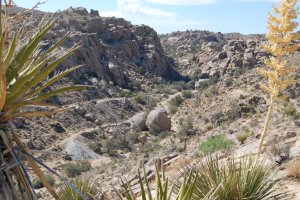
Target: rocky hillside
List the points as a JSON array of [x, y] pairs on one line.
[[138, 111], [111, 49], [202, 54]]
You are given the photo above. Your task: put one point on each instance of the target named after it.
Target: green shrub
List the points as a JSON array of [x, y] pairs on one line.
[[187, 94], [207, 83], [140, 99], [186, 127], [228, 82], [37, 184], [291, 111], [72, 169], [119, 142], [154, 129], [174, 103], [216, 143]]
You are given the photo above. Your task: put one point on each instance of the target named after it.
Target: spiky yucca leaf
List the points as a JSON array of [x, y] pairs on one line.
[[163, 189], [88, 188], [24, 74], [234, 179]]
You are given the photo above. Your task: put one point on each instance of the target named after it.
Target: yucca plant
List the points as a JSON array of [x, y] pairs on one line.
[[24, 74], [163, 189], [281, 42], [234, 179], [87, 187]]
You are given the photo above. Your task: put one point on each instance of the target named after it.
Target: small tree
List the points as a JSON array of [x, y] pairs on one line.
[[281, 43]]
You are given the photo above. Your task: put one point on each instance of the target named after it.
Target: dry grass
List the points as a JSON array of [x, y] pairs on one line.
[[293, 169]]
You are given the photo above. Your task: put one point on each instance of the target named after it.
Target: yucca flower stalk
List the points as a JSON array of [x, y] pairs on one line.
[[282, 41], [24, 74]]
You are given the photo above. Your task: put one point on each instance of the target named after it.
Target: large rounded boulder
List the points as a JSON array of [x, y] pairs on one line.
[[159, 119], [138, 121]]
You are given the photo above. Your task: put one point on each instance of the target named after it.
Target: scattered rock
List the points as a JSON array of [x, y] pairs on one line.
[[290, 134], [142, 139], [89, 116], [79, 151], [58, 128], [158, 118], [138, 121]]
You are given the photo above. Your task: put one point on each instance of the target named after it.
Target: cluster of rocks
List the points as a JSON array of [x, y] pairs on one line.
[[203, 54], [217, 58], [157, 117], [109, 47], [179, 44]]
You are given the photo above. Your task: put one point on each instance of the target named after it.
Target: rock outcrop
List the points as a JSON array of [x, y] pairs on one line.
[[79, 151], [111, 49], [203, 54]]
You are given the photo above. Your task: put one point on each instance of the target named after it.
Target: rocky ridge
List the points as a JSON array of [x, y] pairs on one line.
[[115, 123]]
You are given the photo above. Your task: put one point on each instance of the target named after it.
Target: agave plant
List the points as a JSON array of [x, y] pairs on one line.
[[24, 74], [235, 179], [164, 189]]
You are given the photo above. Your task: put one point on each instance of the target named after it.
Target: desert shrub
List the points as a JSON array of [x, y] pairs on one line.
[[96, 147], [187, 94], [88, 188], [239, 72], [174, 103], [233, 179], [85, 165], [154, 129], [279, 151], [216, 143], [147, 101], [164, 134], [242, 137], [218, 118], [37, 183], [180, 148], [228, 82], [293, 169], [291, 111], [181, 85], [72, 169], [186, 127], [140, 99], [234, 112], [119, 142], [207, 83], [150, 103], [242, 96], [214, 90]]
